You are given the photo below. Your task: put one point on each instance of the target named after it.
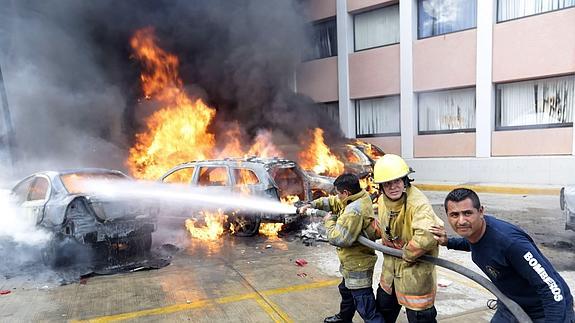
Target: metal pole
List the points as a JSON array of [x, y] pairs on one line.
[[7, 120]]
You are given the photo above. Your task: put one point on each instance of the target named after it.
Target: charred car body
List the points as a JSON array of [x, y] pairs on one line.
[[358, 157], [273, 178], [85, 228]]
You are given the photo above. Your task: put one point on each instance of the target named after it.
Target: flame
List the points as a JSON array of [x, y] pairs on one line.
[[319, 158], [270, 229], [211, 230], [179, 131], [263, 145], [289, 199]]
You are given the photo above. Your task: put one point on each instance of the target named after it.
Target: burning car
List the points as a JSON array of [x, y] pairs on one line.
[[358, 157], [567, 203], [86, 228], [274, 178]]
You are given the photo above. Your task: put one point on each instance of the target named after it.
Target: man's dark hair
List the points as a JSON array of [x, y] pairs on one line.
[[460, 194], [348, 182]]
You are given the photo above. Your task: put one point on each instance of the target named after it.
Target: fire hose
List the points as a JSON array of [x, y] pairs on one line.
[[513, 307]]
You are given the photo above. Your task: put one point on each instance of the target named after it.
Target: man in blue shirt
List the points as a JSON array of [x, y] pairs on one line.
[[509, 257]]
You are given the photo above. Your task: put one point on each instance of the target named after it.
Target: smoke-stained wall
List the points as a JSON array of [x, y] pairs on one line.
[[74, 89]]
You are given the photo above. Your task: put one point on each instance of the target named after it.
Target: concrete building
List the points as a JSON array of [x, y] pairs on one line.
[[466, 90]]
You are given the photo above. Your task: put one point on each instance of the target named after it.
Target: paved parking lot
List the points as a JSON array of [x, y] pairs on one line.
[[257, 279]]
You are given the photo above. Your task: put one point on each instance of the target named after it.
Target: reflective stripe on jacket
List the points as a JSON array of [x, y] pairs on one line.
[[351, 217], [404, 225]]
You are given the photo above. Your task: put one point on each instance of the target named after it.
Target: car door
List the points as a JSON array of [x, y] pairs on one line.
[[38, 195]]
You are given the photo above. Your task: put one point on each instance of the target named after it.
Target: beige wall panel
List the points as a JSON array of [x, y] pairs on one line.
[[318, 79], [531, 47], [390, 145], [374, 72], [321, 9], [445, 145], [553, 141], [354, 5], [445, 61]]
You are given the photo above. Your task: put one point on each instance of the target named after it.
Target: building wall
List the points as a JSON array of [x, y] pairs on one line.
[[374, 72], [362, 5], [445, 145], [534, 47], [551, 141], [318, 79], [446, 61], [321, 9]]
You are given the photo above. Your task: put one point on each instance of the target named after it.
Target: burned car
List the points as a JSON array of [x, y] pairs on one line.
[[567, 203], [274, 178], [85, 227], [358, 157]]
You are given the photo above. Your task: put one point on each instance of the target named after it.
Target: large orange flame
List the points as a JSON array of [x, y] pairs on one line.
[[179, 131], [319, 158]]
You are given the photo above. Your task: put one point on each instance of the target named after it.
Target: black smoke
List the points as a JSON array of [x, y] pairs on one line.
[[73, 86]]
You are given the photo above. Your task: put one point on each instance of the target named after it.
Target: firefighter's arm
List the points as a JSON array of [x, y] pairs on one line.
[[327, 203], [535, 269], [344, 230], [422, 240]]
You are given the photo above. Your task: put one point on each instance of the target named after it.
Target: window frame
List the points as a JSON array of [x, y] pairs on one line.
[[497, 21], [498, 126], [447, 33], [357, 115], [355, 50], [448, 131], [307, 58]]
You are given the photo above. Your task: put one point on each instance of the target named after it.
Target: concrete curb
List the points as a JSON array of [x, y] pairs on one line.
[[491, 189]]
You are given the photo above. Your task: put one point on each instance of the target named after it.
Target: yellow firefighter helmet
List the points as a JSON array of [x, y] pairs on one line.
[[390, 167]]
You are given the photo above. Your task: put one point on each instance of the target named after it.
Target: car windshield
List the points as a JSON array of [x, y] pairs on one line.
[[73, 182]]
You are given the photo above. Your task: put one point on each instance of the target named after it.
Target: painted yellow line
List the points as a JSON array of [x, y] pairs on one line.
[[208, 302], [273, 310], [491, 189]]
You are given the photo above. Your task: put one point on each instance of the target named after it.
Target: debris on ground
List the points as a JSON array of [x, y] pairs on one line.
[[5, 292], [300, 262], [268, 246], [444, 282], [315, 231], [302, 275]]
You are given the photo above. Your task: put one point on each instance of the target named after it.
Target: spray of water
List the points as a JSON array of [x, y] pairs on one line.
[[185, 195], [17, 226]]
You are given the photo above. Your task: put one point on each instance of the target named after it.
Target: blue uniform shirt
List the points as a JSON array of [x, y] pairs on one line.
[[510, 258]]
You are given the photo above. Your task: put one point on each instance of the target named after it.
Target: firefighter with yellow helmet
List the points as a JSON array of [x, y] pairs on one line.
[[405, 216]]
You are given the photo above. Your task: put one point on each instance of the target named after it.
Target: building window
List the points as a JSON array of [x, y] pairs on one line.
[[377, 117], [536, 104], [331, 109], [437, 17], [512, 9], [447, 111], [324, 40], [376, 28]]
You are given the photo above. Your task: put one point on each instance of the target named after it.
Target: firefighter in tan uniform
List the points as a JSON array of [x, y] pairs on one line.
[[405, 216], [351, 216]]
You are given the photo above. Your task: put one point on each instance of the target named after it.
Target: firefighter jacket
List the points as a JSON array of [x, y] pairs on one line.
[[404, 225], [352, 217]]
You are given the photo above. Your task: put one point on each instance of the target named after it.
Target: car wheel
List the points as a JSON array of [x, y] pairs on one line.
[[245, 225]]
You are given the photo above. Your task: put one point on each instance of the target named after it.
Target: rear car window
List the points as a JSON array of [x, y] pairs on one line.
[[245, 176], [38, 189], [73, 181]]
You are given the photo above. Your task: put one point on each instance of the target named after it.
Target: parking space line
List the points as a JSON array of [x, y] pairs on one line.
[[273, 310], [222, 300]]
